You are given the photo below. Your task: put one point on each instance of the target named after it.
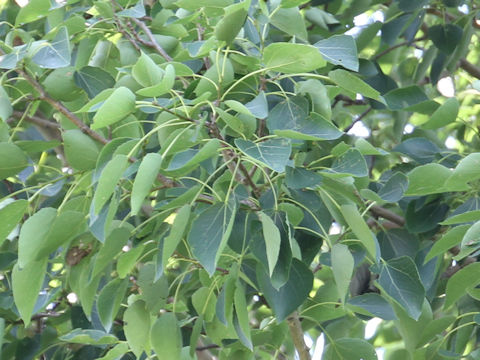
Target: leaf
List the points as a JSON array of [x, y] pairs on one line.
[[419, 149], [451, 238], [12, 160], [117, 106], [241, 320], [88, 337], [127, 261], [109, 301], [298, 178], [232, 22], [427, 179], [10, 215], [162, 87], [273, 153], [444, 115], [394, 188], [185, 161], [112, 246], [342, 267], [400, 280], [55, 54], [292, 58], [258, 106], [375, 304], [351, 163], [289, 296], [177, 231], [146, 72], [136, 11], [204, 302], [26, 285], [209, 234], [6, 109], [111, 174], [80, 150], [467, 170], [350, 82], [34, 10], [289, 21], [271, 234], [398, 99], [93, 80], [349, 349], [468, 216], [458, 284], [165, 337], [146, 175], [116, 352], [339, 50], [137, 327], [360, 228], [445, 37], [472, 236]]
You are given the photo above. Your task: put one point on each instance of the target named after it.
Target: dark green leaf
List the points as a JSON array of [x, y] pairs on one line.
[[445, 37], [55, 54], [273, 153], [375, 305], [394, 188], [298, 178], [339, 50], [349, 349], [351, 163], [93, 80], [10, 215]]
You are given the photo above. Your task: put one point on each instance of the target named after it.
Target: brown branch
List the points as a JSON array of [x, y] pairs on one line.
[[62, 109], [207, 347], [470, 68], [386, 51], [379, 211], [296, 332], [153, 42], [37, 120], [359, 118]]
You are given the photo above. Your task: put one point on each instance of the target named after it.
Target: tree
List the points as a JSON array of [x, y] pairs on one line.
[[218, 179]]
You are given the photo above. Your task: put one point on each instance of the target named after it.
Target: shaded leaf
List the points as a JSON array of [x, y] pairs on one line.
[[339, 50], [55, 54], [273, 153], [93, 80]]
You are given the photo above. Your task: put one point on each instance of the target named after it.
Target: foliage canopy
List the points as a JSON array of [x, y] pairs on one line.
[[189, 179]]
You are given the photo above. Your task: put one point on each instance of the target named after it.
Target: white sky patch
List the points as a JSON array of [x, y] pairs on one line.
[[359, 129], [408, 129], [463, 9], [334, 229], [22, 3], [371, 327], [418, 53], [72, 298], [446, 87], [319, 345], [380, 353], [364, 20], [451, 143], [126, 248]]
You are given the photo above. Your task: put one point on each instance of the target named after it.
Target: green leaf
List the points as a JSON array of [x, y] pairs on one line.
[[111, 174], [451, 238], [163, 86], [394, 188], [342, 266], [445, 37], [398, 99], [467, 170], [80, 150], [273, 153], [112, 246], [109, 301], [187, 160], [26, 285], [349, 349], [177, 231], [374, 304], [127, 261], [241, 319], [209, 234], [292, 58], [55, 54], [360, 228], [34, 10], [10, 215], [444, 115], [289, 296], [232, 22], [472, 236], [6, 109], [93, 80], [146, 72], [289, 21], [136, 11], [165, 337], [351, 163], [137, 327], [350, 82], [146, 175], [272, 238], [12, 160], [468, 216], [88, 337], [117, 106], [400, 280], [116, 352], [258, 106], [339, 50], [427, 179], [204, 302], [298, 178], [458, 284]]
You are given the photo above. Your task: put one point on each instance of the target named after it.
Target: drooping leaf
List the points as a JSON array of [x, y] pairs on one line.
[[360, 228], [80, 150], [117, 106], [444, 115], [292, 58], [271, 234], [146, 174], [273, 153], [241, 320], [165, 337], [10, 215], [339, 50], [350, 82], [6, 108], [342, 266], [137, 327], [109, 301], [209, 234], [232, 22]]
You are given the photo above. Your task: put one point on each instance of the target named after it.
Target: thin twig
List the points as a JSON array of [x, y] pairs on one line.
[[379, 211], [359, 118], [386, 51], [153, 41], [37, 120]]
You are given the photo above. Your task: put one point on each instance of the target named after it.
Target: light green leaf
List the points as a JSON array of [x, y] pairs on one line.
[[289, 21], [116, 352], [349, 349], [136, 11], [350, 82], [292, 58], [137, 327], [339, 50], [467, 170], [464, 279], [187, 160], [146, 175], [163, 86], [400, 280], [127, 260], [111, 174], [10, 215], [117, 106], [232, 22], [271, 234], [360, 228], [109, 301], [273, 153], [55, 54], [204, 302], [444, 115], [451, 238], [472, 236], [209, 234], [112, 246], [166, 338], [427, 179], [89, 337], [6, 109], [34, 10], [80, 150], [468, 216], [342, 266], [12, 160], [26, 285], [146, 72]]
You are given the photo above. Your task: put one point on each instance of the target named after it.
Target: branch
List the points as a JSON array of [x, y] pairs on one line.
[[62, 109], [360, 117], [386, 51], [296, 332], [470, 68], [379, 211], [153, 42], [37, 120]]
